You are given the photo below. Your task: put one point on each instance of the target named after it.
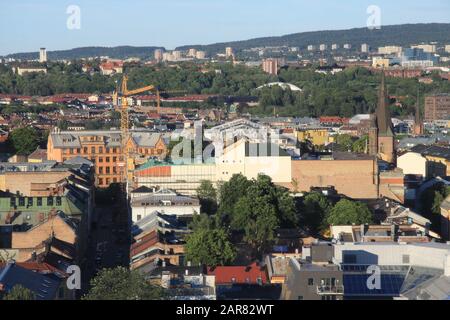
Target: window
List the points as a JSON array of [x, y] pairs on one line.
[[58, 201], [108, 170], [100, 159], [100, 170], [300, 298], [114, 150], [139, 217], [114, 180], [30, 202], [107, 181], [405, 258], [21, 201], [71, 151], [233, 280], [114, 170], [107, 159], [49, 201], [78, 150], [114, 159], [100, 181], [12, 202], [92, 149], [107, 150], [100, 149], [39, 201], [310, 282], [85, 150]]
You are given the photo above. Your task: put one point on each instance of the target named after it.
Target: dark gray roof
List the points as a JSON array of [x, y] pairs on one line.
[[434, 151], [44, 286]]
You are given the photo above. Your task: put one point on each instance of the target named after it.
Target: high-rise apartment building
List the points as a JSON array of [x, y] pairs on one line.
[[334, 46], [42, 55], [323, 47], [200, 55], [365, 48], [437, 107], [229, 52], [270, 66], [159, 55]]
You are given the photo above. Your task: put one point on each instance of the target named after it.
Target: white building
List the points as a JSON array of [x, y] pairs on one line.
[[365, 48], [334, 46], [42, 55], [323, 47], [165, 202]]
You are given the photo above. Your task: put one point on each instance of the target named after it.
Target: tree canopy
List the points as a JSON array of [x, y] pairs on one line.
[[24, 140], [19, 292], [347, 212], [122, 284]]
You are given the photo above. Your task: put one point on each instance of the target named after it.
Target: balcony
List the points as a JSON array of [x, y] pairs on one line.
[[330, 290]]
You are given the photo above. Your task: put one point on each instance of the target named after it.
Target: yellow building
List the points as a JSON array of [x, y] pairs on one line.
[[317, 136]]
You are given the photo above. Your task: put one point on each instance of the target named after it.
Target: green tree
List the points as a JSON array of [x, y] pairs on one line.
[[24, 140], [211, 247], [229, 194], [19, 292], [347, 212], [262, 209], [122, 284], [313, 212], [345, 140], [207, 195], [361, 145]]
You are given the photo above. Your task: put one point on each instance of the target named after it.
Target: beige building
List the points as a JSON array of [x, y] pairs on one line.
[[430, 48], [387, 50], [378, 62]]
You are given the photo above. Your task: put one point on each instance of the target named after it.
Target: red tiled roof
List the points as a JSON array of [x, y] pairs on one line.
[[240, 274], [146, 242]]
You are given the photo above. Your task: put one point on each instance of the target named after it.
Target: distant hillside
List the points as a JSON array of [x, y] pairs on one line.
[[403, 35], [121, 52]]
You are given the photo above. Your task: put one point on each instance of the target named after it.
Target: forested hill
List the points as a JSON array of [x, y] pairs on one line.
[[112, 52], [402, 35]]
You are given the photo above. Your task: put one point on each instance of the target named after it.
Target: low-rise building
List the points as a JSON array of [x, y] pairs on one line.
[[166, 202]]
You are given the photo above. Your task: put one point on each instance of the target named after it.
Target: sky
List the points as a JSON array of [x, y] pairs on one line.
[[27, 25]]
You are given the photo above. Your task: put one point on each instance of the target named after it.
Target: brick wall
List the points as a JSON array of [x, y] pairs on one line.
[[353, 178]]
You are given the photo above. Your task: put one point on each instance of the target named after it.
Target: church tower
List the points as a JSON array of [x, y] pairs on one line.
[[381, 133]]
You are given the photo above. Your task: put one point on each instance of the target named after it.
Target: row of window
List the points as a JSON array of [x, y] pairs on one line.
[[107, 170], [106, 181], [39, 201], [93, 149]]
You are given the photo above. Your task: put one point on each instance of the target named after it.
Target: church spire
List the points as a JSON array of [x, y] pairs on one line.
[[383, 113]]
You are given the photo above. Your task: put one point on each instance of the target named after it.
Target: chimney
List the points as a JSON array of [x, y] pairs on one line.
[[393, 233]]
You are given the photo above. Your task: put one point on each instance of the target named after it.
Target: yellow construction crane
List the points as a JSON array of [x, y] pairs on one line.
[[122, 105]]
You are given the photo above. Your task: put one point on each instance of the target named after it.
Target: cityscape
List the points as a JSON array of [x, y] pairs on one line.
[[304, 166]]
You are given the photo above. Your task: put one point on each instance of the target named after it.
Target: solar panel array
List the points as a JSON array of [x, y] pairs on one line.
[[356, 285]]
